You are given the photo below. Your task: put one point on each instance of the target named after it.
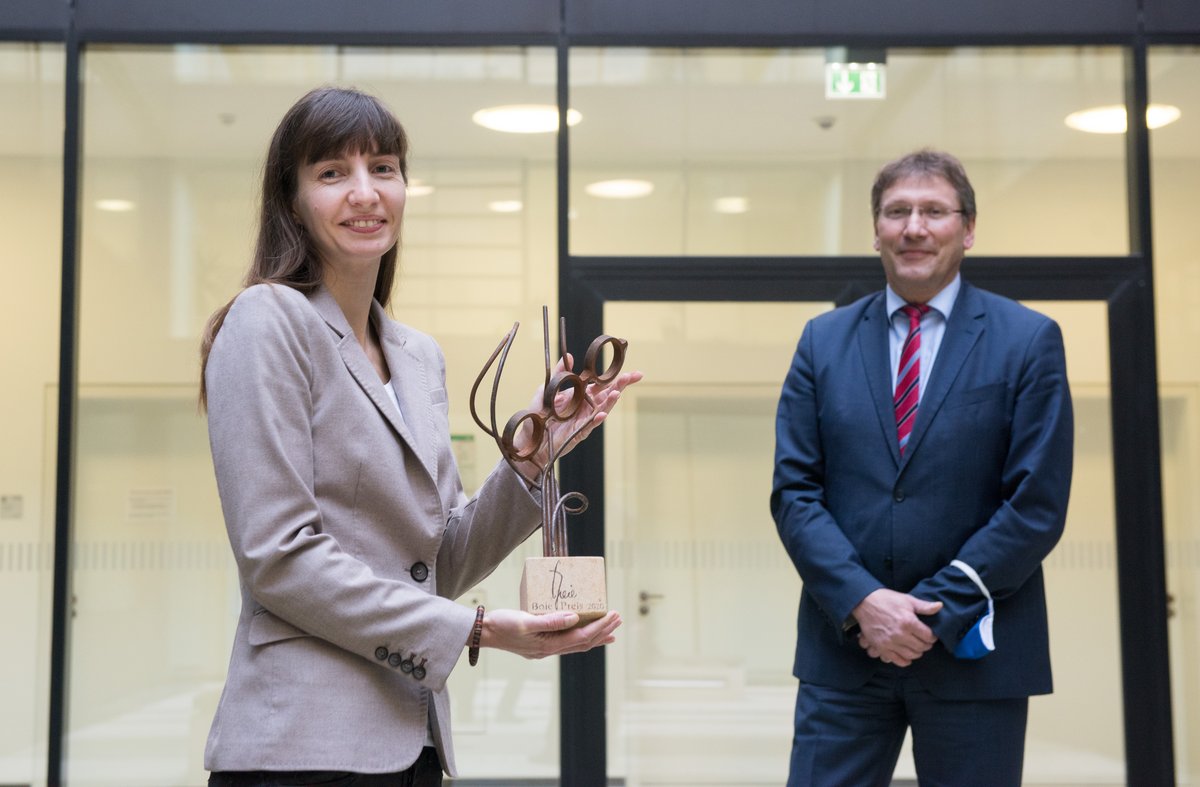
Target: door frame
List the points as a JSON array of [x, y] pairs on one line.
[[1141, 574]]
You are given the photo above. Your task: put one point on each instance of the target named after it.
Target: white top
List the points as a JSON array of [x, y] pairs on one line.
[[391, 392]]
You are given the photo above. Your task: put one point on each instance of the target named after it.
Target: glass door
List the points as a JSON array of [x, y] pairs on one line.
[[701, 689]]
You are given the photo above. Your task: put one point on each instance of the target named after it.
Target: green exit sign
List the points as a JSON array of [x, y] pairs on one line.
[[855, 80]]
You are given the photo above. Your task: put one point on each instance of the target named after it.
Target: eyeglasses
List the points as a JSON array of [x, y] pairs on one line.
[[930, 214]]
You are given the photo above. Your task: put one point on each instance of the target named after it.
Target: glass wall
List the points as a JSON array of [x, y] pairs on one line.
[[740, 152], [1175, 159], [174, 140], [715, 152], [31, 92]]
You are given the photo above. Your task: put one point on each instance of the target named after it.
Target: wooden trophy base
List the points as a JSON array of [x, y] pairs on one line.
[[564, 584]]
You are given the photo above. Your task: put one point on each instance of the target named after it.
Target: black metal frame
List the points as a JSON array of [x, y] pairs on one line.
[[585, 283]]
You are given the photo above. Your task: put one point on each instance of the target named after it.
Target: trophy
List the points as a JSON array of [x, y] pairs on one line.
[[556, 581]]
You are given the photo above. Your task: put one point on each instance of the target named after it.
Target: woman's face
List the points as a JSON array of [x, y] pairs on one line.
[[351, 207]]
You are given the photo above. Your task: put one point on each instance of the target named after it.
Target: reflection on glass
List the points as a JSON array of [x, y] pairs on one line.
[[710, 129], [173, 142], [1175, 165], [31, 92]]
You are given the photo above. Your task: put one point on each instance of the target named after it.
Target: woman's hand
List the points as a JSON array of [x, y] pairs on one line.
[[538, 636], [570, 432]]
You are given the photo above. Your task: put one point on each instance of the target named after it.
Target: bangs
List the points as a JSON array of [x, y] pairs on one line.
[[346, 121]]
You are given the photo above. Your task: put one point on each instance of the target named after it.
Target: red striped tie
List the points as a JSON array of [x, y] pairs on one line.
[[908, 378]]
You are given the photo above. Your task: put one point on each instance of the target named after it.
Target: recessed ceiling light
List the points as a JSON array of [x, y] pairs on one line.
[[1111, 119], [619, 189], [505, 206], [115, 205], [524, 118], [731, 205]]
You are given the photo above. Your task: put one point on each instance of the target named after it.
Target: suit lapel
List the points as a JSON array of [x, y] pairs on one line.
[[360, 368], [963, 330], [873, 345]]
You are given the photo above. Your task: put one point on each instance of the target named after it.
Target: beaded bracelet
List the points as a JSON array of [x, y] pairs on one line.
[[476, 633]]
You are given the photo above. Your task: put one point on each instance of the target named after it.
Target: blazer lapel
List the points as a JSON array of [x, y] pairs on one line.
[[360, 368], [963, 330], [873, 346], [412, 384]]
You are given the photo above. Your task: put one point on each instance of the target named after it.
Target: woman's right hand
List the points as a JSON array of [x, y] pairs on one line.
[[539, 636]]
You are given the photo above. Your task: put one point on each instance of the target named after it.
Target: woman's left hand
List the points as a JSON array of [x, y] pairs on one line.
[[539, 636]]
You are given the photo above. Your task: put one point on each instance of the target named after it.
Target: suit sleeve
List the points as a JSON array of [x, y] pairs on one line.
[[1035, 483], [260, 380], [829, 565]]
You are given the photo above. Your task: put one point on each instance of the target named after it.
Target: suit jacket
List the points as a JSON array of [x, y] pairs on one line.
[[351, 534], [985, 479]]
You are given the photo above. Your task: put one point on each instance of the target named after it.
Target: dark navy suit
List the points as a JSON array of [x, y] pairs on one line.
[[985, 479]]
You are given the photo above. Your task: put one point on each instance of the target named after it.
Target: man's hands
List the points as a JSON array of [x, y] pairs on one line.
[[538, 636], [890, 629]]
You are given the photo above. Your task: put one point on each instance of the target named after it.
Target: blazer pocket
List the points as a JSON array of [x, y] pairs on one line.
[[984, 393], [265, 628]]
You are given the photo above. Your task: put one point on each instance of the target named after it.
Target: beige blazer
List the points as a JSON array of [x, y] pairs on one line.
[[351, 534]]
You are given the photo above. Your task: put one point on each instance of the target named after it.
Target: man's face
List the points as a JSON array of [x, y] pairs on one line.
[[921, 237]]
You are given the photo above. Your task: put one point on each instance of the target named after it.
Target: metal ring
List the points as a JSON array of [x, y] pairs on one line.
[[510, 432], [593, 357]]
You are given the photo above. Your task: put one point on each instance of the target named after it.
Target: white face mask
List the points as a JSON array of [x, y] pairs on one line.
[[977, 642]]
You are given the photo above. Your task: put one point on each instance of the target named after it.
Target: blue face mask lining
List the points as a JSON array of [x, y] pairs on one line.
[[978, 642]]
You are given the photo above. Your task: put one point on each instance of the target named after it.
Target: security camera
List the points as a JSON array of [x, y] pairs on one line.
[[824, 122]]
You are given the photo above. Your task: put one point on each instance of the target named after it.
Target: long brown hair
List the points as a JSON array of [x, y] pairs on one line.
[[324, 123]]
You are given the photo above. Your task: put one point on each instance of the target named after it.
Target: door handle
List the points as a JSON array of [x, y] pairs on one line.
[[645, 598]]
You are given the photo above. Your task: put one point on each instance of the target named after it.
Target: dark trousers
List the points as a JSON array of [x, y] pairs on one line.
[[425, 772], [854, 737]]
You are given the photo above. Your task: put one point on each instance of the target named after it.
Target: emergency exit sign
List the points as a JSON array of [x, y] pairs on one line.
[[855, 80]]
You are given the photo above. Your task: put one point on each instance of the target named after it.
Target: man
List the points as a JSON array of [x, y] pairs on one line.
[[922, 468]]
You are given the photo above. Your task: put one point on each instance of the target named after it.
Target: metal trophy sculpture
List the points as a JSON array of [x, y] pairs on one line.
[[555, 582]]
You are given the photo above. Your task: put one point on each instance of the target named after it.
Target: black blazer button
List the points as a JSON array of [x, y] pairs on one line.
[[898, 495], [419, 670], [406, 666], [420, 572], [381, 653], [394, 660]]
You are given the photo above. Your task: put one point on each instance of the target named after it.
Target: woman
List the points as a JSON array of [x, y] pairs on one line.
[[331, 444]]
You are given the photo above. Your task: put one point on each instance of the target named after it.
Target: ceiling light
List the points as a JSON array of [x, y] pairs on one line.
[[619, 189], [731, 205], [115, 205], [505, 206], [524, 118], [1111, 119]]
